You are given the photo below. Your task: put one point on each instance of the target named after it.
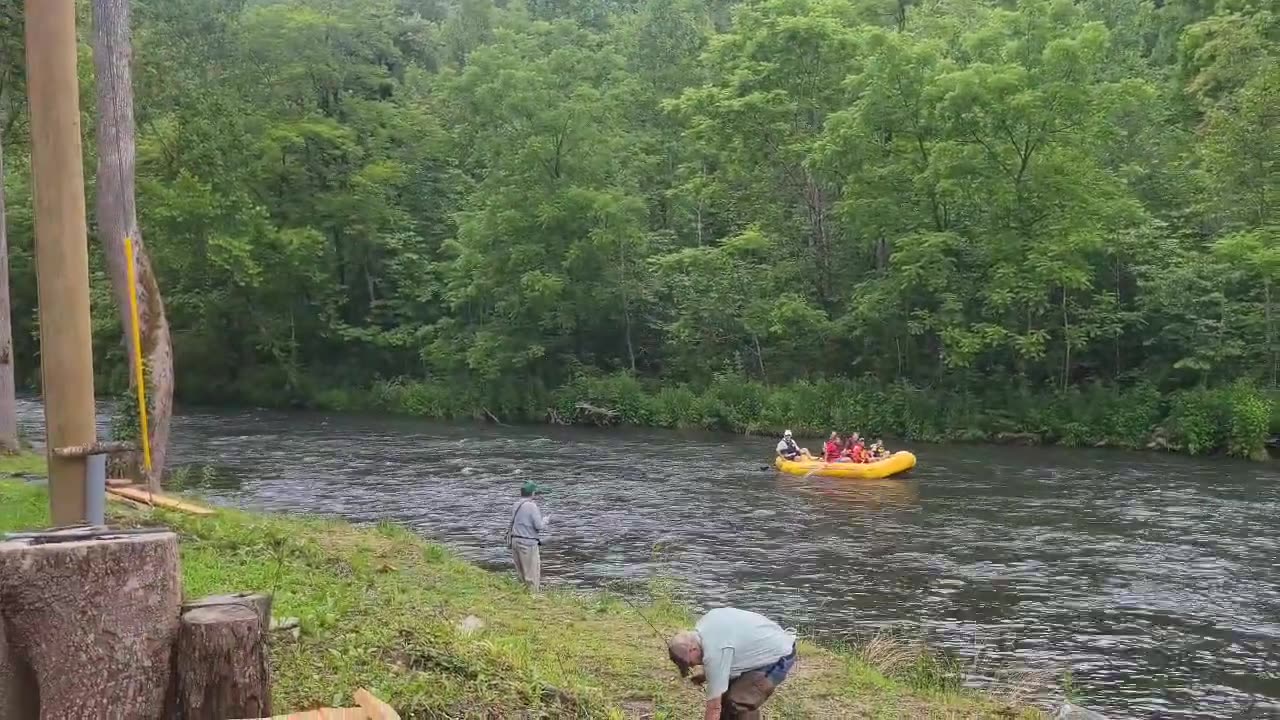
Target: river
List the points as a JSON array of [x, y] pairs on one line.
[[1154, 579]]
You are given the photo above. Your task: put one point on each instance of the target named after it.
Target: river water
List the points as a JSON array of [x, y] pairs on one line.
[[1154, 579]]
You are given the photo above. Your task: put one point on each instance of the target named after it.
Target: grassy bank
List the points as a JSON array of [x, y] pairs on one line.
[[383, 609], [1234, 420]]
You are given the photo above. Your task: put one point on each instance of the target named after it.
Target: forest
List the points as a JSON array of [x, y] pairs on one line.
[[1041, 221]]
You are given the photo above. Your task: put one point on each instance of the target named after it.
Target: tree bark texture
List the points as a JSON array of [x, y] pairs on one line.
[[89, 627], [8, 391], [222, 664], [118, 219]]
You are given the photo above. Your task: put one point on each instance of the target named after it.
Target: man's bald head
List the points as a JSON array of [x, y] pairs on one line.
[[685, 650]]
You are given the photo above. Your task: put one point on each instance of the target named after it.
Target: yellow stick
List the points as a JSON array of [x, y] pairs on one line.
[[137, 354]]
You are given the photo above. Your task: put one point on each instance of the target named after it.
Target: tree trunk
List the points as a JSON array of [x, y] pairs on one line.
[[8, 397], [759, 357], [817, 204], [222, 664], [90, 626], [1066, 339], [626, 303], [118, 219], [1271, 346]]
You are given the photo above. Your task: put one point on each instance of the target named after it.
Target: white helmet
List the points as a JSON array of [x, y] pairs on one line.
[[786, 434]]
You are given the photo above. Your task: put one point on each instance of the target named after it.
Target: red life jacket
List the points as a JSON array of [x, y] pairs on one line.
[[833, 451], [858, 454]]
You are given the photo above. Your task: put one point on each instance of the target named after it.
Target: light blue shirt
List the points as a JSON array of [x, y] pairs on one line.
[[528, 524], [737, 641]]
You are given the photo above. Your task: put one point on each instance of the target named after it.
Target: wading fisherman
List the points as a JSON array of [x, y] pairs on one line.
[[524, 537], [744, 658]]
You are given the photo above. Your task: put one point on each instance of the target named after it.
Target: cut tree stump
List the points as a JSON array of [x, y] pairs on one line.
[[89, 625], [260, 603], [222, 664]]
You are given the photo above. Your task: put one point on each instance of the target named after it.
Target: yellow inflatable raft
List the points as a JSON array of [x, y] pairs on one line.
[[896, 463]]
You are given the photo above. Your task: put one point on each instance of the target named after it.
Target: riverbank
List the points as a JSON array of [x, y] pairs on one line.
[[1235, 420], [381, 608]]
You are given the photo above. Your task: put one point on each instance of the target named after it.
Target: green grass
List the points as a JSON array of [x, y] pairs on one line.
[[380, 608]]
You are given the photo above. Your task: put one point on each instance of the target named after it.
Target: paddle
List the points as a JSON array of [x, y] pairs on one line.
[[815, 469]]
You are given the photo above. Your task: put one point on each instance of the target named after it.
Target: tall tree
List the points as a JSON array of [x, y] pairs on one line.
[[118, 219], [10, 74], [8, 398]]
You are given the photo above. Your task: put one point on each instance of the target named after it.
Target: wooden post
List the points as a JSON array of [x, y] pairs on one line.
[[222, 664], [62, 256]]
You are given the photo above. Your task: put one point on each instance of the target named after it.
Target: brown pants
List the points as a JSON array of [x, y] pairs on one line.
[[746, 694], [528, 564]]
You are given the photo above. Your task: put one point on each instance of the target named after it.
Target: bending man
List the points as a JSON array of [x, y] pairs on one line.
[[744, 658]]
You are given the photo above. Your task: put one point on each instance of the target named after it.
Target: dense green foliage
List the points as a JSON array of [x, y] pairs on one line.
[[937, 218]]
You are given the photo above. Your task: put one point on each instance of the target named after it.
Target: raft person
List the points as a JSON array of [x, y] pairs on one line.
[[831, 452], [788, 449], [846, 453], [877, 450], [744, 658], [524, 537], [857, 453]]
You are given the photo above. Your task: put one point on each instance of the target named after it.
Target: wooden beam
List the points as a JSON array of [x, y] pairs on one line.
[[110, 447], [62, 256], [160, 500]]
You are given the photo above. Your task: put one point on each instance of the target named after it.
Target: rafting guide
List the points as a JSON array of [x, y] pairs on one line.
[[788, 449]]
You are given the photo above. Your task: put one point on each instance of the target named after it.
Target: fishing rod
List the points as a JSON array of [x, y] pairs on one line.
[[655, 629]]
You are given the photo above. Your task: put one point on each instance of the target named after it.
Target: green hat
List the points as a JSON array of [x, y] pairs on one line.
[[530, 487]]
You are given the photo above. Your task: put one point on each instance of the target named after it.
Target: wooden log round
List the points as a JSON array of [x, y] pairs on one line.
[[222, 664], [91, 624], [260, 603]]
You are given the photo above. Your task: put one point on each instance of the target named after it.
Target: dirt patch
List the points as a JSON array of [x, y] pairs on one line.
[[639, 709]]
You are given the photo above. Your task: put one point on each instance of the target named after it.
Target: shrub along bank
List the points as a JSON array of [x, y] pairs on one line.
[[1235, 420], [383, 609]]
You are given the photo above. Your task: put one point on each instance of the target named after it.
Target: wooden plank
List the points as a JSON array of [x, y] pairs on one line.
[[376, 709], [132, 503], [119, 482], [322, 714], [159, 500], [371, 708]]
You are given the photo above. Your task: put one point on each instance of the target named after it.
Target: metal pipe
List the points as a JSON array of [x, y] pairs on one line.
[[95, 489]]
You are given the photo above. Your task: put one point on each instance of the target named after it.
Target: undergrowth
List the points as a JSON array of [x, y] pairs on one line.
[[1235, 420]]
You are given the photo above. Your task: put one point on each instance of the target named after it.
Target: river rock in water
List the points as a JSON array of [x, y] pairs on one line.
[[1075, 712]]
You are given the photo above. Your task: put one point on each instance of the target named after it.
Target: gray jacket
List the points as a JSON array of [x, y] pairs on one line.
[[528, 523]]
